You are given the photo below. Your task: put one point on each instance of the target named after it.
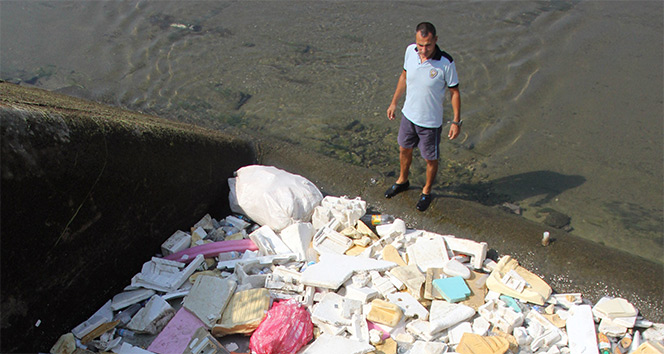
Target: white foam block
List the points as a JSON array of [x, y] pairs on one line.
[[298, 238], [409, 305], [206, 288], [581, 330], [328, 344], [129, 298], [333, 270], [429, 251]]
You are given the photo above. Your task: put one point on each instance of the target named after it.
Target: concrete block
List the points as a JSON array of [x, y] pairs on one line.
[[103, 315], [205, 288], [328, 344], [409, 305], [429, 251], [298, 238], [153, 317], [268, 242], [177, 333], [177, 242], [384, 312], [165, 275], [129, 298]]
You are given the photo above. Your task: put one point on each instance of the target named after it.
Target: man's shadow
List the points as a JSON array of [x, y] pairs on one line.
[[515, 188]]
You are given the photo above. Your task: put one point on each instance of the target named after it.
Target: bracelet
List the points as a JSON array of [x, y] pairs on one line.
[[458, 124]]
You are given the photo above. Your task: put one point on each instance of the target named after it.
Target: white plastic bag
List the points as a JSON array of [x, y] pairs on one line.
[[273, 197]]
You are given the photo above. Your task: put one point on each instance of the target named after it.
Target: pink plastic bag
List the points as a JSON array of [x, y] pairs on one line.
[[286, 328]]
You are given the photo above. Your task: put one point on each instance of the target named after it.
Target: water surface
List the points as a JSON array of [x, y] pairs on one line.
[[561, 100]]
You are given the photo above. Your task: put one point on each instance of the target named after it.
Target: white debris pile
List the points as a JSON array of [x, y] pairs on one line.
[[395, 290]]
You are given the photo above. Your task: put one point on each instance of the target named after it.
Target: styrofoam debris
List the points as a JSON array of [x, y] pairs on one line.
[[391, 289]]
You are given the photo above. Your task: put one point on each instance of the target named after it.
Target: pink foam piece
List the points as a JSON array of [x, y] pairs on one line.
[[212, 249], [372, 325], [177, 333]]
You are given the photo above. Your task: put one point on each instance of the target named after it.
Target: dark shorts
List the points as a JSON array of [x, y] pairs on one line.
[[426, 139]]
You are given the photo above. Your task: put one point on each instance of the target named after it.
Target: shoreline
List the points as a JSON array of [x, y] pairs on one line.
[[569, 264]]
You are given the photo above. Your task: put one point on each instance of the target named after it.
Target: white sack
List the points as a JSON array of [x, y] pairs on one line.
[[273, 197]]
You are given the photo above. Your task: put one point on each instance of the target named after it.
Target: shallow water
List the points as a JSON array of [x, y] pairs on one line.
[[561, 101]]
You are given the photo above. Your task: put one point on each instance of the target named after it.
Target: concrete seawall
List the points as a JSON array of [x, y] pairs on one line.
[[89, 192]]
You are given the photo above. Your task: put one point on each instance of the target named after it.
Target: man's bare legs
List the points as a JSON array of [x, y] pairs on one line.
[[405, 159], [432, 170]]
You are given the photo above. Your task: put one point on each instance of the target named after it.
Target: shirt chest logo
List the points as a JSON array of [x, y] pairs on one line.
[[433, 73]]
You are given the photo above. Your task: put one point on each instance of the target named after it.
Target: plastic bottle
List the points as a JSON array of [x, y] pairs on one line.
[[377, 219], [126, 315], [604, 344], [124, 332]]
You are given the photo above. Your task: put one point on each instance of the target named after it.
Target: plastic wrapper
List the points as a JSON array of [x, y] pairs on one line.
[[286, 328]]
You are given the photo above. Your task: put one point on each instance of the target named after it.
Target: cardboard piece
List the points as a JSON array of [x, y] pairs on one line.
[[475, 344], [244, 312], [411, 276]]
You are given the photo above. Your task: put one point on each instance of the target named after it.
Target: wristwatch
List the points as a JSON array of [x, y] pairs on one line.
[[457, 123]]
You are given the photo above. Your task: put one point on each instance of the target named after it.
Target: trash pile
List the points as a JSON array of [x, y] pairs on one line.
[[297, 272]]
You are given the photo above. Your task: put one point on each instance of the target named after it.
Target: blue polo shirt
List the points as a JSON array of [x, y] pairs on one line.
[[425, 86]]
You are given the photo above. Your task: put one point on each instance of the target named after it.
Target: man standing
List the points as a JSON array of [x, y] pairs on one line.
[[427, 73]]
